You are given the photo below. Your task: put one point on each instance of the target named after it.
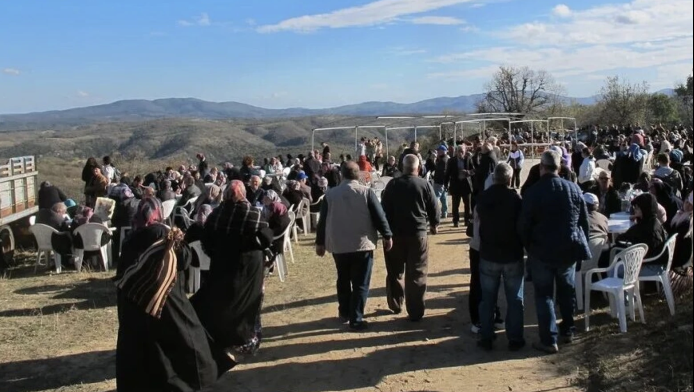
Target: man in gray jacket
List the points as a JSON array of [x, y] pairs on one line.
[[410, 206], [350, 219]]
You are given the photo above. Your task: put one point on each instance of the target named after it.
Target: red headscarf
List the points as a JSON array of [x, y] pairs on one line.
[[236, 191]]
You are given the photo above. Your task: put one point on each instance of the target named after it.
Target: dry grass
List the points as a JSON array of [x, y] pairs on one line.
[[655, 357]]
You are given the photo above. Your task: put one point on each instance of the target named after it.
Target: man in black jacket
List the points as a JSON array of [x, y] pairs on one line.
[[410, 205], [459, 182], [501, 255]]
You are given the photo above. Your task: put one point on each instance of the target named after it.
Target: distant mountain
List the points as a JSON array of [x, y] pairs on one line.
[[139, 110]]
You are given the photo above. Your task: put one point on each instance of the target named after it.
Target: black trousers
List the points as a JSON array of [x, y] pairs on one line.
[[457, 198], [475, 295], [516, 182]]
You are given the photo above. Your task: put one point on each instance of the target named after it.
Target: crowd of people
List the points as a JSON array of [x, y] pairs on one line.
[[539, 231]]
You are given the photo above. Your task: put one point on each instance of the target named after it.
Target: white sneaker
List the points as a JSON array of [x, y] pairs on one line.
[[499, 325], [475, 328]]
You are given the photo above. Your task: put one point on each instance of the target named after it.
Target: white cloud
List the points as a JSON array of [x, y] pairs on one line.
[[562, 11], [82, 94], [371, 14], [251, 22], [633, 17], [11, 71], [611, 24], [202, 20], [591, 44], [438, 20]]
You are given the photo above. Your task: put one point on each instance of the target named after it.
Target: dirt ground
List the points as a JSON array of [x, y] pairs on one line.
[[57, 333]]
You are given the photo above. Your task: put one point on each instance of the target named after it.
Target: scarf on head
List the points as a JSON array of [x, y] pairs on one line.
[[84, 215], [149, 281], [635, 152], [272, 195], [278, 209], [203, 213], [648, 205], [149, 211], [235, 192]]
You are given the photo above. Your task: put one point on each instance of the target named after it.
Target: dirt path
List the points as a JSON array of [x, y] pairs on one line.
[[307, 350]]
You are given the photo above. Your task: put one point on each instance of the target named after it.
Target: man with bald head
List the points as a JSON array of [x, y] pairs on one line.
[[411, 207], [350, 219]]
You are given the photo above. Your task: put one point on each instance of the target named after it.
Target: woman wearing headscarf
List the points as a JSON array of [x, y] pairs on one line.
[[277, 217], [212, 195], [229, 304], [194, 232], [293, 193], [123, 214], [87, 174], [162, 346], [665, 197]]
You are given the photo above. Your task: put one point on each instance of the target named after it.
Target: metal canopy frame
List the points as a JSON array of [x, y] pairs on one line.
[[532, 131], [313, 134], [462, 129], [562, 124]]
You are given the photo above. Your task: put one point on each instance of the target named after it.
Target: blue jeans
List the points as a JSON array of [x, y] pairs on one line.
[[442, 195], [545, 276], [353, 280], [490, 278]]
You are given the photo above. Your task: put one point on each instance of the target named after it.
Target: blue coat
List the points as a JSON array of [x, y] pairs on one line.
[[554, 222]]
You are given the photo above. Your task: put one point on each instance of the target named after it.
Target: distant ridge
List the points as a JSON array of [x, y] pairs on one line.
[[140, 109]]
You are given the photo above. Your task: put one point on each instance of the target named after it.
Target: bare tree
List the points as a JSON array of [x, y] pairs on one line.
[[521, 90], [622, 102]]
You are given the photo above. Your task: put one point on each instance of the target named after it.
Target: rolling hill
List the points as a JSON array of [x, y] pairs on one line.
[[143, 110]]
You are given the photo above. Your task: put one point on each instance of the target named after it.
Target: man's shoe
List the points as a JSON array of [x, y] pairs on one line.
[[515, 346], [343, 319], [456, 224], [499, 324], [551, 349], [475, 328], [568, 338], [485, 344], [358, 326]]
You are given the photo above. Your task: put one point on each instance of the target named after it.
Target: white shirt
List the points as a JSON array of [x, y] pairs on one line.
[[586, 171], [109, 172]]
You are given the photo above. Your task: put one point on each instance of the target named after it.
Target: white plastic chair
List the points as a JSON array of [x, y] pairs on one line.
[[630, 261], [604, 164], [91, 241], [204, 259], [123, 233], [43, 234], [596, 246], [280, 259], [315, 216], [664, 277], [303, 212], [286, 171], [182, 211], [167, 208], [32, 220]]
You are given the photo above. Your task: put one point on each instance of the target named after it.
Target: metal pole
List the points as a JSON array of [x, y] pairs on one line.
[[387, 149], [532, 137], [313, 137], [415, 134]]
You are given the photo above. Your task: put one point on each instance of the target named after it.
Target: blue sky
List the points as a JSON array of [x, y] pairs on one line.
[[318, 53]]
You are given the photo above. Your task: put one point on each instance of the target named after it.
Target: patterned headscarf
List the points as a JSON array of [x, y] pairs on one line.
[[149, 212], [277, 209], [84, 215], [236, 192], [203, 213], [272, 195]]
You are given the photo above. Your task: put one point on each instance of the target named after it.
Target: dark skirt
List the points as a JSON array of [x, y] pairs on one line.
[[173, 353], [229, 303]]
